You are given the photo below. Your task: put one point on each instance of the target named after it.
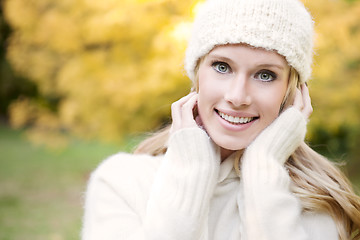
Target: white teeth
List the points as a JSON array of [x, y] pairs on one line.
[[235, 120]]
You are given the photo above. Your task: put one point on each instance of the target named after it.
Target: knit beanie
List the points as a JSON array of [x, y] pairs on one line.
[[283, 26]]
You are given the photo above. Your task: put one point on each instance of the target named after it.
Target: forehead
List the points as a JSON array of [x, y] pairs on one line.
[[248, 53]]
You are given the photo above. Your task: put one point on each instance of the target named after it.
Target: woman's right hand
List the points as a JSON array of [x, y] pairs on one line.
[[182, 113]]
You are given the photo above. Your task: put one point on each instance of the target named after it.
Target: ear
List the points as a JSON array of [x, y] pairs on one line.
[[199, 121]]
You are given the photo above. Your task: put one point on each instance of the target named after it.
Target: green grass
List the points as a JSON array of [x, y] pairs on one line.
[[41, 190]]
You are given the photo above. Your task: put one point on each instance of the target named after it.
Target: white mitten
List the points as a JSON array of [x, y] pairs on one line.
[[270, 210], [282, 137]]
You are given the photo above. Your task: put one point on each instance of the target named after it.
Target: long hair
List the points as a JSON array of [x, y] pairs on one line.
[[317, 182]]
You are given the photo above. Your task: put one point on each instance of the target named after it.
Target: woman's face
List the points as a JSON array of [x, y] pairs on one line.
[[240, 93]]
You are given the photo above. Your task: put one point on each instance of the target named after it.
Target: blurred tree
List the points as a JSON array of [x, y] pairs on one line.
[[108, 68], [336, 78], [11, 86], [104, 68], [336, 85]]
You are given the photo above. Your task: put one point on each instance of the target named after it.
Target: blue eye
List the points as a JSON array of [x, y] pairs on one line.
[[221, 67], [265, 76]]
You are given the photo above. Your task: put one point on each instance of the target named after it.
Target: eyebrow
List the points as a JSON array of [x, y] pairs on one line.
[[219, 57], [272, 65], [265, 65]]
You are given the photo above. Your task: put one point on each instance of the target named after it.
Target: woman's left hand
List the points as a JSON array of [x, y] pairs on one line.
[[266, 183], [285, 134], [302, 101]]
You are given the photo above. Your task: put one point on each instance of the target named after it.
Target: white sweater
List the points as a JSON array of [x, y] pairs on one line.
[[188, 195]]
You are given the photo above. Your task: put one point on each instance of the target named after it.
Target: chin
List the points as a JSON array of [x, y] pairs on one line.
[[232, 144]]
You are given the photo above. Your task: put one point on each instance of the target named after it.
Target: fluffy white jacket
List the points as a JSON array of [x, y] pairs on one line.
[[188, 194]]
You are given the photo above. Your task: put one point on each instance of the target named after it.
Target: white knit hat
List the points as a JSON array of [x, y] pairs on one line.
[[284, 26]]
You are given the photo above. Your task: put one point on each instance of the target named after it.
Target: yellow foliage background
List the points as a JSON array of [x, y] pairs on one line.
[[109, 68], [112, 67]]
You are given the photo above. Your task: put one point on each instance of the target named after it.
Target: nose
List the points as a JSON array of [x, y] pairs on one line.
[[238, 91]]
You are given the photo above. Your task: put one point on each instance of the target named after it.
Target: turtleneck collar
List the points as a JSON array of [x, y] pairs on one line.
[[227, 170]]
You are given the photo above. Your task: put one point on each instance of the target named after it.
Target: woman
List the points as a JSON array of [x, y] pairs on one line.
[[233, 164]]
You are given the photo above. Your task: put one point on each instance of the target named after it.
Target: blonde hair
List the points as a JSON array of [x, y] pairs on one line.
[[317, 182]]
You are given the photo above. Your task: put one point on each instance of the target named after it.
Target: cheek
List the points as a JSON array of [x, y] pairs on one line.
[[205, 91], [204, 101], [271, 102], [208, 97]]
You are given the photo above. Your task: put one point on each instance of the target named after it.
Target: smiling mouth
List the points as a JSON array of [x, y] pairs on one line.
[[235, 120]]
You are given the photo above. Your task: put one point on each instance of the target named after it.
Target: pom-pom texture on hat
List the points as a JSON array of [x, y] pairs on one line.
[[284, 26]]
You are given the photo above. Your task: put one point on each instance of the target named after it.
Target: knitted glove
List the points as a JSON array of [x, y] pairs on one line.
[[281, 138], [183, 186], [270, 210]]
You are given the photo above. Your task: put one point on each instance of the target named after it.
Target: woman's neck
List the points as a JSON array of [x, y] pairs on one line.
[[225, 153]]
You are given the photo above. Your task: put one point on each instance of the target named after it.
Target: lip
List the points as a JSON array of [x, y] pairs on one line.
[[235, 127], [236, 113]]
